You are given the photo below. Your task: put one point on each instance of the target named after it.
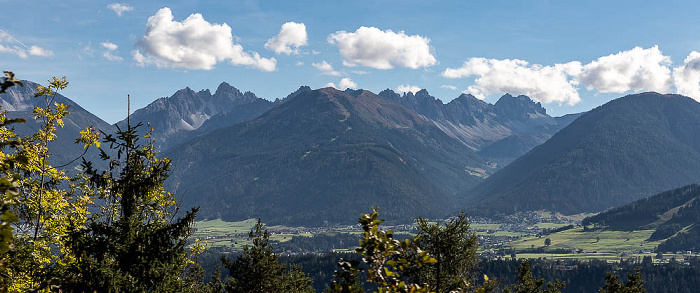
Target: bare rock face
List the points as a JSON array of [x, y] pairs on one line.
[[178, 117]]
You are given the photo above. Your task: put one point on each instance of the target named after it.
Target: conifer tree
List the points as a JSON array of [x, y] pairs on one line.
[[133, 244]]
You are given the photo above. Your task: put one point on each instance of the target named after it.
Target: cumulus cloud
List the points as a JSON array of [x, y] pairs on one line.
[[372, 47], [110, 54], [543, 83], [447, 86], [687, 77], [634, 70], [10, 45], [119, 8], [192, 44], [39, 51], [292, 35], [637, 69], [325, 68], [345, 83], [407, 88], [110, 46]]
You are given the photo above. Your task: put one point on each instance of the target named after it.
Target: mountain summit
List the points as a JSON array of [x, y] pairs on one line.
[[513, 125], [175, 118], [325, 155], [631, 147]]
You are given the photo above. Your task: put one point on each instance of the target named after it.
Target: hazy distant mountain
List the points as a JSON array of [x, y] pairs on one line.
[[325, 155], [175, 118], [502, 132], [619, 152], [20, 102]]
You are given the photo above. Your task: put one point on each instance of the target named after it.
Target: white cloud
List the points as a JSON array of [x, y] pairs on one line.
[[39, 51], [407, 88], [111, 50], [315, 52], [292, 35], [112, 57], [10, 45], [687, 77], [299, 63], [192, 44], [372, 47], [110, 46], [542, 83], [326, 68], [637, 69], [360, 72], [447, 86], [346, 83], [634, 70], [119, 8]]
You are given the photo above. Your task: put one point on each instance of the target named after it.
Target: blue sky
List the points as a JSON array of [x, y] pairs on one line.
[[570, 55]]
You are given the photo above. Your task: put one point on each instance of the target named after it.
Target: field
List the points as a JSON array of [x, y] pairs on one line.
[[596, 244], [599, 241]]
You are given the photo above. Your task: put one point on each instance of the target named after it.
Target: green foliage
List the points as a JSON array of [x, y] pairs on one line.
[[133, 244], [453, 247], [9, 184], [45, 204], [527, 284], [258, 269], [634, 283], [404, 266]]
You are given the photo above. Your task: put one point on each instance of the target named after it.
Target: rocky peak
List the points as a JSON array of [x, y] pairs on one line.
[[302, 89], [520, 107]]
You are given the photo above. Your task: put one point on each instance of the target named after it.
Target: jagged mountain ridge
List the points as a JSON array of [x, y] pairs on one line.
[[628, 148], [325, 155], [174, 119], [518, 121]]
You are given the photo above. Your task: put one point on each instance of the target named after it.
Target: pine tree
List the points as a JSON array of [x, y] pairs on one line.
[[133, 244], [258, 269]]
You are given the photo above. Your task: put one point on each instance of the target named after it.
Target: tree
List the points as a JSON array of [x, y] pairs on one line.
[[133, 244], [258, 269], [634, 283], [44, 203], [547, 242], [527, 284], [454, 248], [391, 265], [9, 183]]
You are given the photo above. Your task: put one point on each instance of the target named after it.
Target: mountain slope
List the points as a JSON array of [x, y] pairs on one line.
[[628, 148], [20, 101], [325, 155], [176, 119], [514, 125], [674, 215]]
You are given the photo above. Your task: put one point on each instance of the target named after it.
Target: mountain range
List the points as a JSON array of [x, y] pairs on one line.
[[501, 132], [327, 155], [626, 149]]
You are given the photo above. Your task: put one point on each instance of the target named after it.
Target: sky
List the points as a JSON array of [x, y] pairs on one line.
[[571, 56]]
